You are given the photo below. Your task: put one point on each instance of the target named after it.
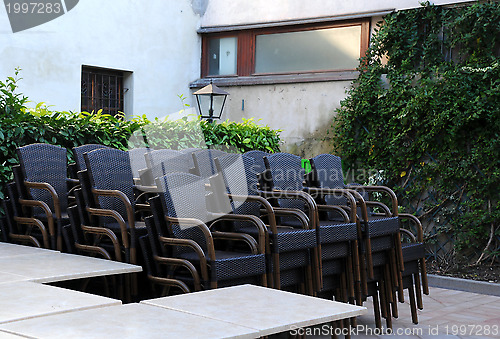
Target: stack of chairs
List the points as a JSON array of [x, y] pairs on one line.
[[199, 219]]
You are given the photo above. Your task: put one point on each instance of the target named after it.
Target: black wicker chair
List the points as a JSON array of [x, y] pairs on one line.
[[44, 187], [113, 202], [258, 157], [20, 229], [138, 161], [163, 269], [164, 161], [381, 231], [190, 231], [79, 151], [289, 249], [204, 162], [337, 238]]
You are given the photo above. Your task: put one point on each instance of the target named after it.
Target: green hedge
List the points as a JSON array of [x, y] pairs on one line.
[[429, 118], [21, 126]]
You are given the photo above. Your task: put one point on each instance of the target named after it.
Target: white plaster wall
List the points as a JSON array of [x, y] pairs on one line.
[[154, 39], [304, 111], [237, 12]]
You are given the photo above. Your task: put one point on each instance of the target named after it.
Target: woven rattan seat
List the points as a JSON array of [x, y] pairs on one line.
[[287, 175], [293, 243], [112, 202], [185, 231], [44, 181]]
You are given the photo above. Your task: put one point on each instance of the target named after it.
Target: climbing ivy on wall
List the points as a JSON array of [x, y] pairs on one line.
[[425, 110]]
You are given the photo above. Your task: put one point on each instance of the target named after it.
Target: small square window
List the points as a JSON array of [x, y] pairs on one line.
[[222, 56]]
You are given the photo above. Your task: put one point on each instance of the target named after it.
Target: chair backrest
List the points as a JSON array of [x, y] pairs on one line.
[[327, 169], [286, 174], [204, 162], [45, 163], [258, 157], [109, 169], [138, 160], [79, 151], [240, 178], [190, 151], [183, 196], [165, 161]]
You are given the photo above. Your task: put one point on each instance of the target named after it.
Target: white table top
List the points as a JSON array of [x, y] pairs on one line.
[[267, 310], [5, 335], [6, 278], [127, 321], [50, 266], [8, 250], [23, 300]]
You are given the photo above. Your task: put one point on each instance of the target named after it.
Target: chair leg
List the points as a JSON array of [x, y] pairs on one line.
[[413, 308], [350, 279], [425, 283], [418, 291], [276, 271], [376, 310]]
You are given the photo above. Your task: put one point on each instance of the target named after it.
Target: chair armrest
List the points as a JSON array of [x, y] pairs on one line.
[[381, 189], [107, 232], [272, 212], [47, 187], [120, 195], [194, 246], [290, 212], [387, 211], [202, 226], [305, 197], [338, 209], [347, 194], [259, 224], [115, 215], [148, 188], [239, 237], [418, 225], [409, 234], [263, 202], [38, 224], [180, 262], [143, 207], [46, 209]]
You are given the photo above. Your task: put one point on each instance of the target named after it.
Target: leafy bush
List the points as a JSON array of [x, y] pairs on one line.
[[426, 111], [21, 126], [184, 133]]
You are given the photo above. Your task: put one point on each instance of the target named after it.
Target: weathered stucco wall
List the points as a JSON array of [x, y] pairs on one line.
[[237, 12], [154, 39], [304, 111]]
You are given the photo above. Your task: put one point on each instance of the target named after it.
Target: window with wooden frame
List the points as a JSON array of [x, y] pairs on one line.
[[288, 50], [102, 88]]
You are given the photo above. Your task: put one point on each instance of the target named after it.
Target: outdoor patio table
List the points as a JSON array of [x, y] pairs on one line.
[[23, 300], [267, 310], [6, 278], [51, 266], [8, 250], [5, 335], [127, 321]]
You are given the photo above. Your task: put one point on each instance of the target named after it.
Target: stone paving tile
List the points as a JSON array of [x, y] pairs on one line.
[[444, 311]]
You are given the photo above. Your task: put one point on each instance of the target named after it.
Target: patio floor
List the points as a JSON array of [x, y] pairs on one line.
[[447, 314]]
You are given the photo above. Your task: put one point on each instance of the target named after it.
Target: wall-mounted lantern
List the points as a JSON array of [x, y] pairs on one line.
[[211, 100]]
